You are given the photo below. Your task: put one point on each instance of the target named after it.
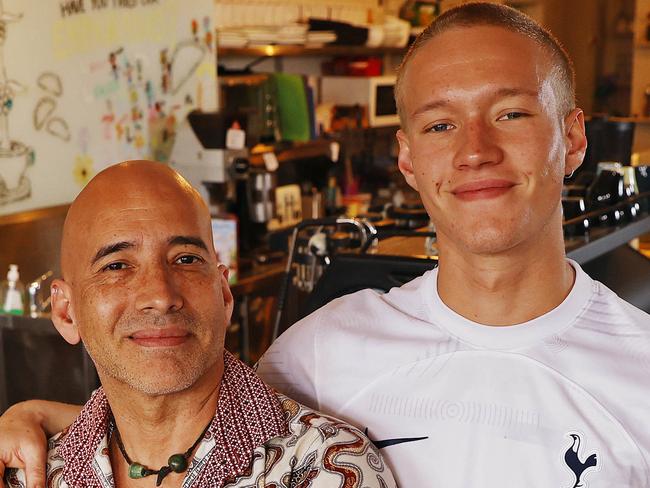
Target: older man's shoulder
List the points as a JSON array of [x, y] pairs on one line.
[[15, 478], [326, 451]]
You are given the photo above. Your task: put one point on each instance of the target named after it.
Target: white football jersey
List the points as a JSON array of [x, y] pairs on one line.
[[561, 401]]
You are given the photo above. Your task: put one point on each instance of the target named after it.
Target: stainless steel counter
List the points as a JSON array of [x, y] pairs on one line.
[[35, 362]]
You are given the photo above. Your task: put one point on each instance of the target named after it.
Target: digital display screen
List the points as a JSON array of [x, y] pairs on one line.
[[385, 101]]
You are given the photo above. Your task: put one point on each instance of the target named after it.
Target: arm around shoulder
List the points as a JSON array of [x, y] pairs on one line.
[[50, 417], [24, 429]]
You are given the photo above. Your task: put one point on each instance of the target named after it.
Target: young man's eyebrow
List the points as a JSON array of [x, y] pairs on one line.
[[516, 92], [112, 248], [433, 105], [187, 240], [501, 93]]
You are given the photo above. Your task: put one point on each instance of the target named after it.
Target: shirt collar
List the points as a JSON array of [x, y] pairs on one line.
[[248, 415], [512, 337]]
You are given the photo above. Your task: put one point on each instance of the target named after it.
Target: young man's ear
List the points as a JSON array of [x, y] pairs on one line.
[[576, 138], [404, 160], [62, 313]]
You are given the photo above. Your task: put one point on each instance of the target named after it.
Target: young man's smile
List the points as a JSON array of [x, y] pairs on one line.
[[482, 189]]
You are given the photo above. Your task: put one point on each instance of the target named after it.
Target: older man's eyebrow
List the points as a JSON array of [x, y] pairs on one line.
[[187, 241], [112, 248]]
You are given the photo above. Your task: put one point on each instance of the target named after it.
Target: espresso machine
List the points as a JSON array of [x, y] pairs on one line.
[[224, 176], [200, 154]]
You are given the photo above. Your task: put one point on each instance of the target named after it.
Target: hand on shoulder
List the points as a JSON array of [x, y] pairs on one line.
[[24, 429], [23, 442]]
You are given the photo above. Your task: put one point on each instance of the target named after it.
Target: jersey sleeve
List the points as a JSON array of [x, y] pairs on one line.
[[289, 365]]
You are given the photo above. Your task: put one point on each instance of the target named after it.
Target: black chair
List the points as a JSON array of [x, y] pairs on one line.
[[353, 272]]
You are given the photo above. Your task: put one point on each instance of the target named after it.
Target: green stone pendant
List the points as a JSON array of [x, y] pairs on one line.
[[177, 463], [137, 471]]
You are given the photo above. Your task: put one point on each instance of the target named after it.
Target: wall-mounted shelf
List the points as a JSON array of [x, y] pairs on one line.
[[273, 50], [640, 120], [293, 151]]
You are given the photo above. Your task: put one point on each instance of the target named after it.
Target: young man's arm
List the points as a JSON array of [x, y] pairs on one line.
[[24, 429]]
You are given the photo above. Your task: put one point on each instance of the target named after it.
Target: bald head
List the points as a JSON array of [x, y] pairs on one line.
[[132, 189], [142, 286]]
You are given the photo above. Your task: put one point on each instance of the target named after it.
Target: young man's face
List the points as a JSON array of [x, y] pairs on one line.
[[484, 143]]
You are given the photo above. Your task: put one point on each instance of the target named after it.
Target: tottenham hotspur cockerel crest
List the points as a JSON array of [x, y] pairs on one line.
[[578, 460]]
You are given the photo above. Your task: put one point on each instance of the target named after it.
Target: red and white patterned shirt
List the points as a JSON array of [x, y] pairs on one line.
[[258, 438]]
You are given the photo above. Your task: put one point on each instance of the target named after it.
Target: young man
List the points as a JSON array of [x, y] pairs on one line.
[[144, 291], [506, 366]]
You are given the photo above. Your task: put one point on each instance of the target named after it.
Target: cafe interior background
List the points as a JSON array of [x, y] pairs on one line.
[[281, 113]]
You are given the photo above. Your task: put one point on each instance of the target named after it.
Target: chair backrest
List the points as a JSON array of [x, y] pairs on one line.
[[353, 272]]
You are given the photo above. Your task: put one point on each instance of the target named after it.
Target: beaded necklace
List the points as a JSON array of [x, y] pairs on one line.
[[176, 463]]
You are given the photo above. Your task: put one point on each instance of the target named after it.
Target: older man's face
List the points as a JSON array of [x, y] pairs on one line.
[[148, 298], [486, 146]]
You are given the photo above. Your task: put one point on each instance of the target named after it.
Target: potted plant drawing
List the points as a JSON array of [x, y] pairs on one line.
[[15, 156]]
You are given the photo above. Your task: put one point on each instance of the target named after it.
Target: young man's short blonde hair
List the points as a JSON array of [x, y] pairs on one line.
[[491, 14]]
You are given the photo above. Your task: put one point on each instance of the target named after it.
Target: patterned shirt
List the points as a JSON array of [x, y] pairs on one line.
[[258, 438]]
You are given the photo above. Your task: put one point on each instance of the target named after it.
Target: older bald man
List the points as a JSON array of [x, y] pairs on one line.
[[143, 290]]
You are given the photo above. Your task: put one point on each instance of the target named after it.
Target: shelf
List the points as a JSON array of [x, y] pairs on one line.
[[259, 278], [293, 151], [636, 119], [279, 50], [612, 238], [601, 241], [641, 120]]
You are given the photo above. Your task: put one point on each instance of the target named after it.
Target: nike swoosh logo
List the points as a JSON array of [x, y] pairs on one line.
[[392, 442]]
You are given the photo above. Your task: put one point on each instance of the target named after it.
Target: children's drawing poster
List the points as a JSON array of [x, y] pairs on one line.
[[88, 83]]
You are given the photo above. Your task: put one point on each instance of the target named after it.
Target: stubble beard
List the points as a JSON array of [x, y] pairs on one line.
[[489, 236], [182, 367]]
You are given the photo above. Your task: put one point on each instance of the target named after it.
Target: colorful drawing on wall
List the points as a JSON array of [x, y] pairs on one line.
[[186, 58], [148, 122], [15, 156], [106, 81], [83, 169], [51, 84]]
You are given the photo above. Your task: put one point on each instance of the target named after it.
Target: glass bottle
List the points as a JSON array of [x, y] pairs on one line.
[[12, 293]]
